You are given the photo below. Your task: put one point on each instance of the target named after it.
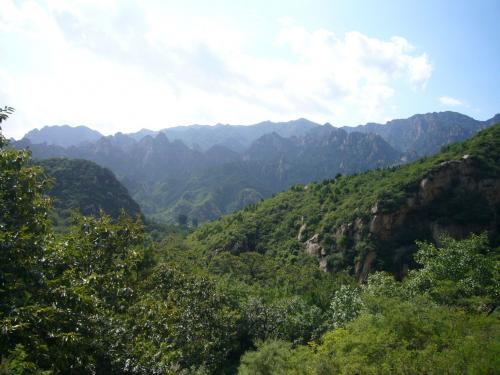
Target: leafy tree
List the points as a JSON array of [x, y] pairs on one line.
[[24, 239], [395, 337], [182, 322], [273, 357], [57, 294], [464, 273], [345, 306], [5, 112]]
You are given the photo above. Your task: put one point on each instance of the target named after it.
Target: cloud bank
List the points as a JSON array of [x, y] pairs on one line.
[[120, 66]]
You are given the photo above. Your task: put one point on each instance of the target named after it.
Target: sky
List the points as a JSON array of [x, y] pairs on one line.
[[123, 65]]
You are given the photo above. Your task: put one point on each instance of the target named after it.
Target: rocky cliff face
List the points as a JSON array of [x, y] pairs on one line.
[[425, 134], [454, 198]]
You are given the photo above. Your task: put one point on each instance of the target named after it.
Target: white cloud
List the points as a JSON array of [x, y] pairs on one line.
[[449, 101], [118, 66]]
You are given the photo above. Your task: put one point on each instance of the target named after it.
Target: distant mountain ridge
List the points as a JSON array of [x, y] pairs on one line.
[[227, 167], [236, 137], [168, 178], [420, 134], [203, 137], [63, 135], [425, 134]]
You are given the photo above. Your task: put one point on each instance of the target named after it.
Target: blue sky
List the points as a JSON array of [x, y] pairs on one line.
[[122, 65]]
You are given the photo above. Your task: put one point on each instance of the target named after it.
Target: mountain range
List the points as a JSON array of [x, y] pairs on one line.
[[208, 171], [63, 135], [421, 133], [426, 134]]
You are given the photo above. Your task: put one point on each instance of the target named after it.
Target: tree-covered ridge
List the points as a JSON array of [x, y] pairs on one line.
[[87, 187], [341, 211]]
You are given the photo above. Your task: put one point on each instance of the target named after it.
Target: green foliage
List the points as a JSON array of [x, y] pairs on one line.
[[5, 112], [23, 241], [273, 358], [17, 363], [288, 319], [418, 325], [346, 305], [178, 322], [395, 337], [464, 273]]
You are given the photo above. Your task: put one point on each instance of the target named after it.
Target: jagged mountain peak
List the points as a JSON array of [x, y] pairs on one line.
[[424, 134]]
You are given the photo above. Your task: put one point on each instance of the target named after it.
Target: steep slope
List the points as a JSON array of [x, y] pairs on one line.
[[87, 187], [371, 220], [425, 134], [63, 135]]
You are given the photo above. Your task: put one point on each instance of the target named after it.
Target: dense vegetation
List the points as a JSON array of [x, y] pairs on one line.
[[104, 297], [437, 321], [86, 187]]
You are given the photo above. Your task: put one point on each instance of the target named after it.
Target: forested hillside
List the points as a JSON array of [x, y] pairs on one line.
[[244, 294], [86, 187], [371, 220]]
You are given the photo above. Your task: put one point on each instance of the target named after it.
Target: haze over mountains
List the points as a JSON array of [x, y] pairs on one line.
[[63, 135], [208, 171], [403, 134], [427, 133]]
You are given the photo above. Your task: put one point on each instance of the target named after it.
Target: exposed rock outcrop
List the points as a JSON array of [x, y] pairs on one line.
[[439, 184], [431, 209], [313, 247], [300, 236]]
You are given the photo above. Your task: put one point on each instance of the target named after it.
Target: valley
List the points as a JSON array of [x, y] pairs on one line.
[[390, 248]]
